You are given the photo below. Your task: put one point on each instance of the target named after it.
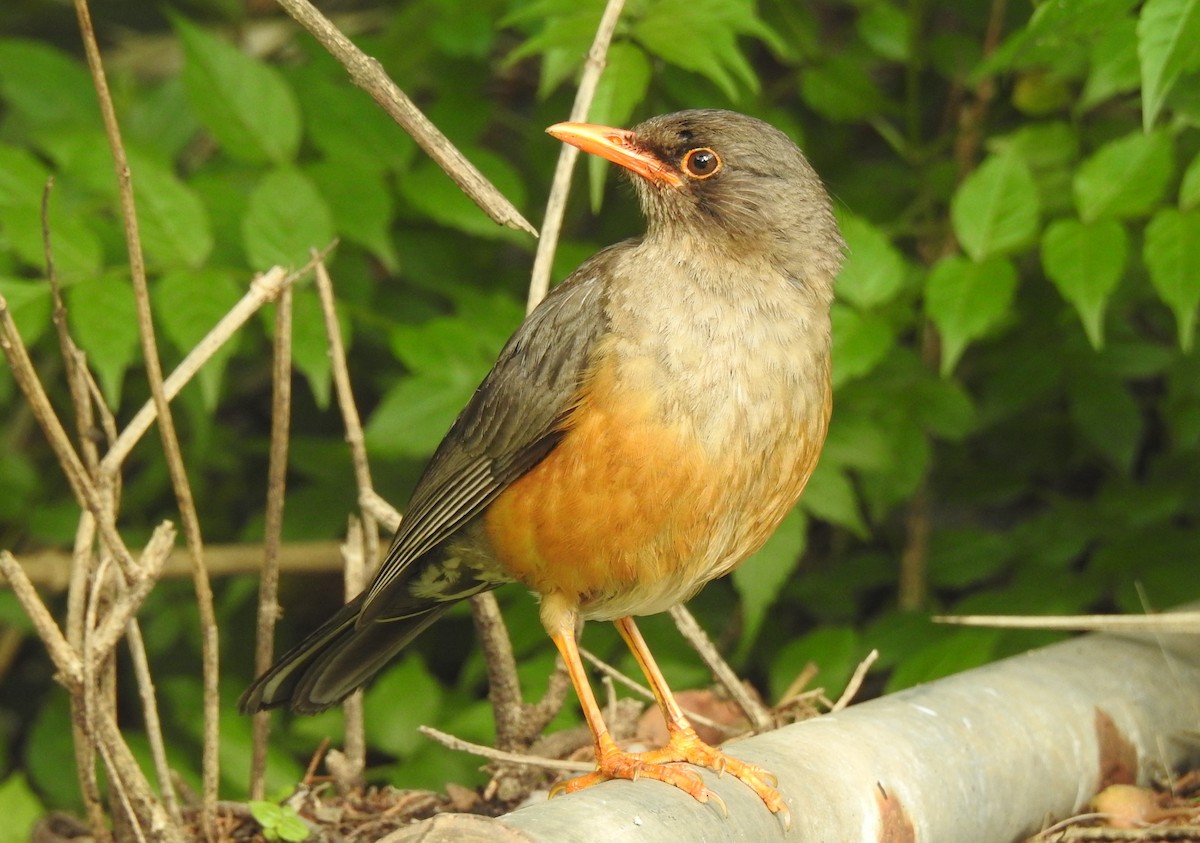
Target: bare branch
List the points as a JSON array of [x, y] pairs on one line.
[[268, 584], [361, 551], [263, 288], [860, 673], [759, 716], [81, 484], [367, 74], [539, 284], [166, 425], [507, 757], [131, 597], [64, 656]]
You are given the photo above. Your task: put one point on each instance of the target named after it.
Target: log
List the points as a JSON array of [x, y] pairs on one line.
[[991, 755]]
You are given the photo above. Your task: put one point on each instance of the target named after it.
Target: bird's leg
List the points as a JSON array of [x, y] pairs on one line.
[[684, 744], [611, 761]]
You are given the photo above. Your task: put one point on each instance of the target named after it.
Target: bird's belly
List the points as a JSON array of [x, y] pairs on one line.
[[632, 512]]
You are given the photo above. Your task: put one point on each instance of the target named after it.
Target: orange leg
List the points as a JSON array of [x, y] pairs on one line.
[[684, 744]]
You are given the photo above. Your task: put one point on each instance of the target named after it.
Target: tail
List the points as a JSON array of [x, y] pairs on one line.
[[335, 660]]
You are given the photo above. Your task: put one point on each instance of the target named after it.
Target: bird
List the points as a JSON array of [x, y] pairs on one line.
[[643, 432]]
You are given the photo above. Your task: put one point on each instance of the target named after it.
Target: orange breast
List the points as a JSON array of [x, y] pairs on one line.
[[614, 505], [630, 514]]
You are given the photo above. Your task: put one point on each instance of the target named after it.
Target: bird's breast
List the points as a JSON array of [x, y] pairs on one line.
[[694, 432]]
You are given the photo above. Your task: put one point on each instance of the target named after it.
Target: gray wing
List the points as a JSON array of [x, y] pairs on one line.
[[510, 424]]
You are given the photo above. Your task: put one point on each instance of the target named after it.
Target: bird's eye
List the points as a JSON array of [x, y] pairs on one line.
[[701, 163]]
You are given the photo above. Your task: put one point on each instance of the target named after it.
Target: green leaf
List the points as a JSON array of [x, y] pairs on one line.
[[172, 220], [103, 319], [707, 44], [310, 342], [448, 357], [246, 105], [965, 556], [995, 209], [431, 192], [835, 650], [830, 496], [1114, 63], [1168, 46], [344, 123], [1189, 190], [860, 342], [874, 270], [1172, 254], [759, 580], [886, 29], [1125, 177], [622, 86], [21, 809], [966, 300], [22, 177], [361, 204], [77, 250], [840, 89], [29, 304], [285, 218], [393, 728], [1085, 261], [949, 653], [46, 87], [187, 304], [1106, 414]]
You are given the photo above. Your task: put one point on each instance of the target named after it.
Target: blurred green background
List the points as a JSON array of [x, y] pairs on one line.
[[1017, 413]]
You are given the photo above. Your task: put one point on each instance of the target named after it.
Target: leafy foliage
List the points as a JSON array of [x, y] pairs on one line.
[[1016, 368]]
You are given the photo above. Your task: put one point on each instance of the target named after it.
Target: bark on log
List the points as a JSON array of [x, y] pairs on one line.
[[987, 756]]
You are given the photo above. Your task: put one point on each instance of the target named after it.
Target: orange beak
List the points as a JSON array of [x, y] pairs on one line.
[[619, 146]]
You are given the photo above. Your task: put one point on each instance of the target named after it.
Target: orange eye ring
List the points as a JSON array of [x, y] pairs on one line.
[[701, 163]]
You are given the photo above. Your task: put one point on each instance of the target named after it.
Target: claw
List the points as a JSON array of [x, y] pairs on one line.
[[711, 796]]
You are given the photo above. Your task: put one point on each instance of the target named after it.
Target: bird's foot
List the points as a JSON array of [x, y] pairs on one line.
[[664, 765]]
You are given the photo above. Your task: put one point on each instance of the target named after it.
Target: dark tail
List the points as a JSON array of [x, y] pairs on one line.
[[335, 660]]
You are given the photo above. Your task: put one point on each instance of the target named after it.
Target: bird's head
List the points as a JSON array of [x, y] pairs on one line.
[[727, 181]]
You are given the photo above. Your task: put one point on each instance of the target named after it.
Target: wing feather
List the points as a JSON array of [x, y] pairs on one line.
[[510, 424]]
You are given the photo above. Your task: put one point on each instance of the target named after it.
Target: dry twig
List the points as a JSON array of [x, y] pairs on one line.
[[560, 187], [268, 584], [756, 712], [361, 552], [166, 425], [367, 74], [506, 757]]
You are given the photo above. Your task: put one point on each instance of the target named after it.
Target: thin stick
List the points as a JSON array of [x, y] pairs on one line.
[[154, 733], [35, 394], [1183, 623], [366, 556], [367, 74], [382, 511], [641, 690], [560, 187], [268, 584], [263, 288], [759, 716], [860, 673], [508, 757], [132, 595], [166, 426], [353, 567], [504, 685], [66, 660]]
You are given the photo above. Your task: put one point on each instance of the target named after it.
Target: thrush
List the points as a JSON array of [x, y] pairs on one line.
[[642, 433]]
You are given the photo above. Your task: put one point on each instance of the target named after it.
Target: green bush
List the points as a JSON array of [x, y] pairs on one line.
[[1018, 389]]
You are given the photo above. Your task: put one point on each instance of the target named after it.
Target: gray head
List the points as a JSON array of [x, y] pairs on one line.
[[730, 180]]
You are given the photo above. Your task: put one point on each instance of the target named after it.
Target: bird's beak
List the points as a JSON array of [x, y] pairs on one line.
[[619, 146]]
